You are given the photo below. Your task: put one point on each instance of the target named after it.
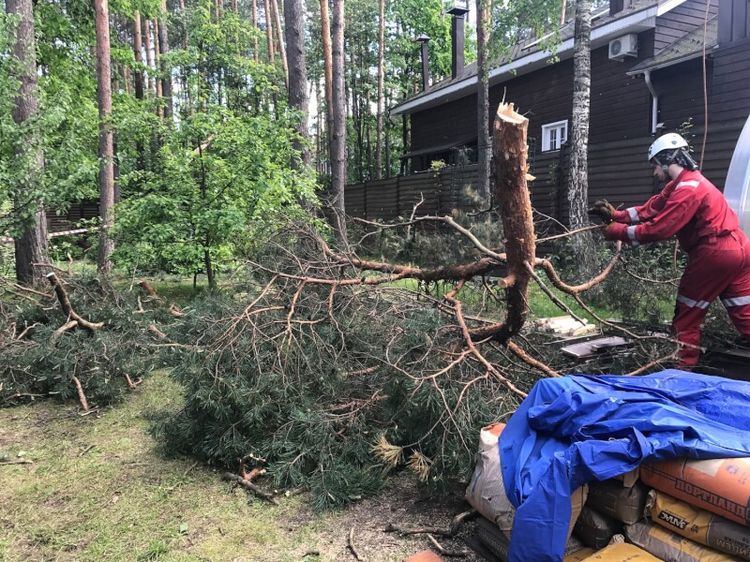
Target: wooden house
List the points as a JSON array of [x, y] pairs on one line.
[[647, 78]]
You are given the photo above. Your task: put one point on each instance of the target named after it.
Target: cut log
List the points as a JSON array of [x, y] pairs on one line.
[[511, 195]]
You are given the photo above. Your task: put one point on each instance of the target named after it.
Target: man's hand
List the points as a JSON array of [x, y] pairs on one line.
[[604, 210]]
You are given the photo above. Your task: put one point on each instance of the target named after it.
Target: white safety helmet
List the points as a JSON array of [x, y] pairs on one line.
[[670, 141]]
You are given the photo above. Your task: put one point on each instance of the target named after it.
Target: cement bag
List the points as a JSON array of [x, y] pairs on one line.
[[595, 529], [486, 491], [622, 552], [579, 555], [498, 544], [670, 547], [611, 498], [698, 525], [721, 486]]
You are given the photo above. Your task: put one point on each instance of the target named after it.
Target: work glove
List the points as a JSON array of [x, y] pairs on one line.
[[616, 231], [604, 210]]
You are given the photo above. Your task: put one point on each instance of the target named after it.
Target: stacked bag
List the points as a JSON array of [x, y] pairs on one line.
[[675, 511]]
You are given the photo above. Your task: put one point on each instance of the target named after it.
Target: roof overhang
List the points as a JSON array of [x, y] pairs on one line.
[[671, 62], [636, 22]]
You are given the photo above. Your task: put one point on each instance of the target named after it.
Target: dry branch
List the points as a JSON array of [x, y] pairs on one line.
[[350, 544], [62, 297], [81, 395], [228, 476]]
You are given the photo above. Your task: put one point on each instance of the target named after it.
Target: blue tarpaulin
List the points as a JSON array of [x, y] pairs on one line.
[[577, 429]]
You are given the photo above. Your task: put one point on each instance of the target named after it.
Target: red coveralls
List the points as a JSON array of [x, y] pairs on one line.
[[718, 252]]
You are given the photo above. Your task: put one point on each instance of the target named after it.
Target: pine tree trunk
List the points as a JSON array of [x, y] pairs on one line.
[[295, 43], [579, 137], [484, 11], [269, 29], [325, 29], [256, 54], [166, 83], [338, 137], [280, 39], [31, 245], [157, 64], [381, 79], [106, 169], [512, 199], [150, 82], [137, 52]]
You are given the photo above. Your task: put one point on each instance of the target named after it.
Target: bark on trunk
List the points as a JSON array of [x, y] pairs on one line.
[[325, 29], [484, 10], [157, 64], [280, 39], [269, 29], [512, 198], [295, 43], [381, 78], [31, 245], [338, 137], [106, 169], [579, 137], [256, 54], [166, 83], [150, 82]]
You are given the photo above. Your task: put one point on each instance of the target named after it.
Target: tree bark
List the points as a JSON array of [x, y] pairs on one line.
[[338, 136], [325, 29], [381, 79], [137, 46], [106, 168], [282, 48], [157, 64], [579, 137], [256, 54], [295, 47], [269, 29], [166, 82], [511, 195], [150, 82], [484, 11], [31, 245]]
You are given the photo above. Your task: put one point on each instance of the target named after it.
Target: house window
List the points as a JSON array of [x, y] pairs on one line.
[[554, 135]]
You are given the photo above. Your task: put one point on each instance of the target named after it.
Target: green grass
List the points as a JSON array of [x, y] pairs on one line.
[[540, 305], [121, 500]]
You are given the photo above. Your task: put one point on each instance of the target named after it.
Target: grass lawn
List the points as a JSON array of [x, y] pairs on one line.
[[99, 490]]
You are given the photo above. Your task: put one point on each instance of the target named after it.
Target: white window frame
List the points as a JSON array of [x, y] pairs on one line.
[[558, 130]]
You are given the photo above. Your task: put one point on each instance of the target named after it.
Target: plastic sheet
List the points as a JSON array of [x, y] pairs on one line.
[[577, 429]]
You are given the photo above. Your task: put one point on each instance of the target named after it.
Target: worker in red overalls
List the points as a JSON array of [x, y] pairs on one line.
[[718, 251]]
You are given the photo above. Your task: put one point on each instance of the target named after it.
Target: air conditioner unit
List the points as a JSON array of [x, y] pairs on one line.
[[624, 46]]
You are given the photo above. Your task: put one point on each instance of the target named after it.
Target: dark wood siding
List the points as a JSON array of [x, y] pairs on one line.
[[730, 95], [734, 21], [682, 19]]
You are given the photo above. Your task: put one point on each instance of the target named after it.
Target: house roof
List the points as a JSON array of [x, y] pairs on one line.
[[528, 56], [687, 47]]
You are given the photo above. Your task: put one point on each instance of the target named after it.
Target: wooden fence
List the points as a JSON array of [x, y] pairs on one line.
[[443, 191]]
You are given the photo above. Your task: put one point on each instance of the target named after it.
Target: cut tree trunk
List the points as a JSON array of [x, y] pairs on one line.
[[511, 195]]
